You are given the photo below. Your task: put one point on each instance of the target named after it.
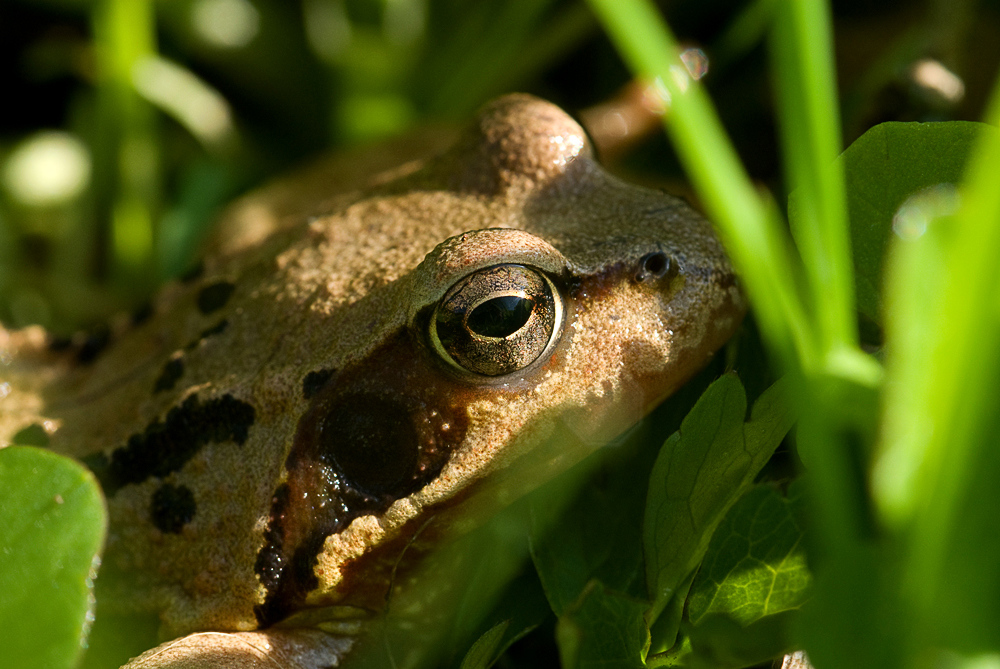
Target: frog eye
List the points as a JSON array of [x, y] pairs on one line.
[[497, 320]]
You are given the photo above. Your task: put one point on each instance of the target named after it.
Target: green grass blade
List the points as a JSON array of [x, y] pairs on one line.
[[802, 61], [935, 477], [963, 387], [756, 242], [127, 146]]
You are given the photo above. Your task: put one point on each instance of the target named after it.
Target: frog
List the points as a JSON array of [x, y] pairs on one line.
[[285, 432]]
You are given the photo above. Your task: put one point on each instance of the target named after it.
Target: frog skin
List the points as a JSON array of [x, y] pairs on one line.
[[273, 436]]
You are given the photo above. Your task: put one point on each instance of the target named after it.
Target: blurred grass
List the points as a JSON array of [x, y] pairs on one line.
[[177, 106]]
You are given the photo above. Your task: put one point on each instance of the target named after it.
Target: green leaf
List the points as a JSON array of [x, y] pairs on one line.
[[755, 565], [603, 628], [665, 630], [53, 522], [722, 643], [882, 168], [521, 610], [700, 472], [486, 649], [935, 471]]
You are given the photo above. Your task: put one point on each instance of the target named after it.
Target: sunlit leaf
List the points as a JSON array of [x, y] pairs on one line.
[[700, 472], [755, 565], [52, 525]]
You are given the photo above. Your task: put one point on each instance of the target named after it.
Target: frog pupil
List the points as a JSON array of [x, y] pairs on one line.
[[500, 316]]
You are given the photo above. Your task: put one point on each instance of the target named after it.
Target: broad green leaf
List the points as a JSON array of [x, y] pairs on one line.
[[700, 472], [883, 168], [520, 611], [603, 629], [52, 526], [756, 564]]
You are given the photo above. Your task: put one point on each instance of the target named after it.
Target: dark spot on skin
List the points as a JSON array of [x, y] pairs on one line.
[[172, 507], [218, 328], [214, 296], [315, 381], [372, 443], [305, 559], [295, 581], [196, 271], [170, 375], [142, 313], [166, 446], [96, 341], [33, 435]]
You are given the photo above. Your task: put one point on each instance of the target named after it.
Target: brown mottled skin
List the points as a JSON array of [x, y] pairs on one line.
[[299, 323]]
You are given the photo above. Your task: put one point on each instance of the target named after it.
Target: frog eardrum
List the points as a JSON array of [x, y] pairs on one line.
[[498, 320]]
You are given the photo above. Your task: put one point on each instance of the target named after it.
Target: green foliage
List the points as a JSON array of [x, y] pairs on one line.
[[54, 521], [617, 563], [755, 565], [882, 169], [603, 628], [751, 582], [700, 472], [486, 649], [899, 498]]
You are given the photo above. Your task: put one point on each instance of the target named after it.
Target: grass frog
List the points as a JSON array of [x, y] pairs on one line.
[[274, 431]]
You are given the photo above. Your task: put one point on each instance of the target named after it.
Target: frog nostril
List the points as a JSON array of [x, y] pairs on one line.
[[653, 266]]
